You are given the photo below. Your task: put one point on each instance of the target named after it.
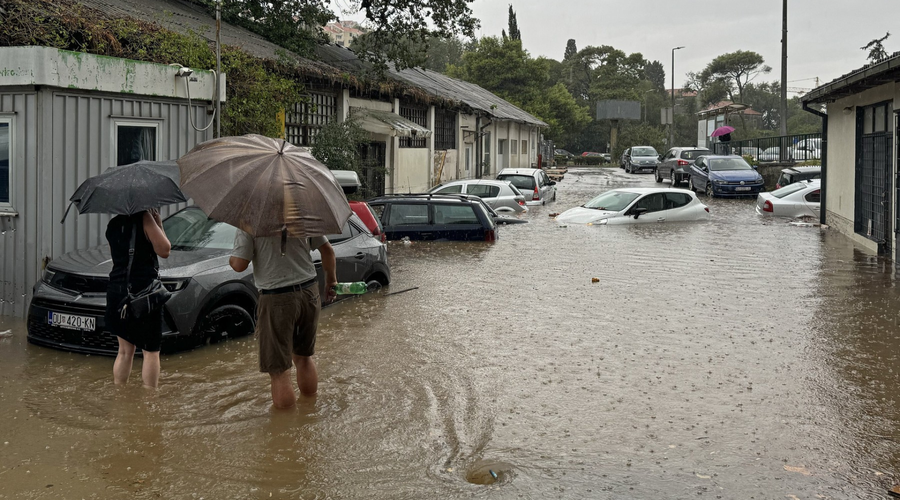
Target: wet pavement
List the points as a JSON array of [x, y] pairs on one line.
[[735, 358]]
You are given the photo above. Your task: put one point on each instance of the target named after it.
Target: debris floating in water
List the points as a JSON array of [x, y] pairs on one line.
[[493, 474], [6, 333], [595, 280]]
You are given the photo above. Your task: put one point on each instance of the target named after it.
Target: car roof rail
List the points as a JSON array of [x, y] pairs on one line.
[[445, 196]]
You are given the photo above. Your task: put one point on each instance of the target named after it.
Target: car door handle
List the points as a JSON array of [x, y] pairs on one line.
[[661, 219], [360, 255]]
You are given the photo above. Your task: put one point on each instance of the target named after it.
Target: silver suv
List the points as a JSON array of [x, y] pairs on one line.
[[499, 195], [532, 182], [676, 164]]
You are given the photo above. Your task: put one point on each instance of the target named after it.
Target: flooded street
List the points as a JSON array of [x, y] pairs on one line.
[[735, 358]]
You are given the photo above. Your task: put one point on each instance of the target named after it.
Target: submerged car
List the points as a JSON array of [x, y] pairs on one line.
[[675, 164], [532, 182], [502, 196], [209, 299], [640, 159], [444, 217], [725, 176], [638, 206], [799, 199], [796, 174]]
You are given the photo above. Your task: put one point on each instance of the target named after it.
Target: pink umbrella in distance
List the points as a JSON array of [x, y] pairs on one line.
[[724, 129]]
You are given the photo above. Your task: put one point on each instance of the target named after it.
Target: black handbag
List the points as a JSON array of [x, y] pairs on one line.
[[141, 304]]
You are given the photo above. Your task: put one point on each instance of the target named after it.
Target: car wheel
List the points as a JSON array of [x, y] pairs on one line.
[[658, 178], [225, 321], [674, 179], [628, 167], [373, 285], [709, 190]]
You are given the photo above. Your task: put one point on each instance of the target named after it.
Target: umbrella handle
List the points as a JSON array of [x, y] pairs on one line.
[[67, 211]]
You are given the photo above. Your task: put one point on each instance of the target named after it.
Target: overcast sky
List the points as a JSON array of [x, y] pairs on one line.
[[824, 36]]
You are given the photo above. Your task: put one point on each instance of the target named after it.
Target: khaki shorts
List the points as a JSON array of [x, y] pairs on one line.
[[286, 324]]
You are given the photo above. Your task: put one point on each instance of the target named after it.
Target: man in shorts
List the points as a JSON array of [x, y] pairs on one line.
[[289, 305]]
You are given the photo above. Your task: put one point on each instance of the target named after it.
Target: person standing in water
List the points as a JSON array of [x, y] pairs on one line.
[[145, 333]]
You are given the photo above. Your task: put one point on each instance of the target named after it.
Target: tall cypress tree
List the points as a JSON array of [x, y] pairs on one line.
[[514, 33], [571, 49]]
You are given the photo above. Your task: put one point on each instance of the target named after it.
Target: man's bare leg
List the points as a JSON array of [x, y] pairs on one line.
[[124, 359], [282, 390], [150, 369], [307, 376]]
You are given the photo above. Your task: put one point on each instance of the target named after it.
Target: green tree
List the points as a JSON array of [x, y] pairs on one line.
[[639, 134], [735, 70], [442, 52], [571, 50], [337, 145], [396, 28], [656, 74], [514, 33], [876, 48]]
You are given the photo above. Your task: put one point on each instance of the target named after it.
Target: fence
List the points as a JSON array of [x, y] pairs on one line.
[[781, 149]]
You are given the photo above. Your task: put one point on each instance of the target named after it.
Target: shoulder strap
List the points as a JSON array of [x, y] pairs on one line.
[[130, 256]]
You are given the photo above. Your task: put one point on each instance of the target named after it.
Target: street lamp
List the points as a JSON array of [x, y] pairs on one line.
[[672, 124]]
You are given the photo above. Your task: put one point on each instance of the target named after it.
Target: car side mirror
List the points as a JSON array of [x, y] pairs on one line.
[[754, 167], [551, 183], [638, 212]]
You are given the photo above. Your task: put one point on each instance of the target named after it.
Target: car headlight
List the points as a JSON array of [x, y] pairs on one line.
[[601, 222], [47, 275], [175, 284], [720, 181]]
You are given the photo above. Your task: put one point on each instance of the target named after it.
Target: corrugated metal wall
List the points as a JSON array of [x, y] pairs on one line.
[[62, 138]]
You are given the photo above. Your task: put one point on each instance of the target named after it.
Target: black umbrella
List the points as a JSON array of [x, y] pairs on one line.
[[129, 189]]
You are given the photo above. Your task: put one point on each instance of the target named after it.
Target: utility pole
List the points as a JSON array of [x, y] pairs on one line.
[[672, 124], [783, 121]]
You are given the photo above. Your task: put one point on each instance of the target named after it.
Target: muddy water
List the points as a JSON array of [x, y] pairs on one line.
[[738, 358]]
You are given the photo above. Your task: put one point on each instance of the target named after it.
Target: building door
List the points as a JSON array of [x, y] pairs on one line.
[[372, 156], [874, 175], [501, 154]]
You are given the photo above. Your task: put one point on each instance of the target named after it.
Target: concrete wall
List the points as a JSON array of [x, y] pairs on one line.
[[411, 170], [841, 169], [62, 137]]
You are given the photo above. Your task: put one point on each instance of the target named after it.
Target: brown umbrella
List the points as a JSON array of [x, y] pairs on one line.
[[264, 186]]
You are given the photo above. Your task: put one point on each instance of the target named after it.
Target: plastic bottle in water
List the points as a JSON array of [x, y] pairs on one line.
[[355, 288]]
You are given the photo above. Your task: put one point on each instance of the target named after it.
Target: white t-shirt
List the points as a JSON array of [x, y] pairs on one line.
[[270, 268]]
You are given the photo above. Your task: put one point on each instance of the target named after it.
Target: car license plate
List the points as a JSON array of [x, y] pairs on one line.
[[742, 188], [71, 321]]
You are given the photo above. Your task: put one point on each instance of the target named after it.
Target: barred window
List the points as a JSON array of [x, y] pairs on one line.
[[444, 130], [419, 116], [306, 119]]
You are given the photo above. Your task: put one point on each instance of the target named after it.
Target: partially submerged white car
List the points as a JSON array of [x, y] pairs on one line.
[[638, 206], [800, 199]]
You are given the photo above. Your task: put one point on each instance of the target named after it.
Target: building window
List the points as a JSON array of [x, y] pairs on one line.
[[136, 141], [419, 116], [6, 165], [444, 130], [524, 146], [304, 122]]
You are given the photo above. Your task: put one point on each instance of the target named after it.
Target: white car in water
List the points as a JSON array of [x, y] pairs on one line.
[[800, 199], [638, 206]]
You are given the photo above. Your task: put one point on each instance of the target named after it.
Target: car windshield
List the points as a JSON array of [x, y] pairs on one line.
[[789, 189], [693, 154], [525, 182], [614, 201], [720, 164], [644, 152], [190, 229]]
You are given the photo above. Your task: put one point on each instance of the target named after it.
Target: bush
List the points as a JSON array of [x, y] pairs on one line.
[[589, 160]]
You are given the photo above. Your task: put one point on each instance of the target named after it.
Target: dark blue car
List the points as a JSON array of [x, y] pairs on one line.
[[435, 217], [725, 176]]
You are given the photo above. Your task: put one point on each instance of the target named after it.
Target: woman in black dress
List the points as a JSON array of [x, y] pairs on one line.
[[144, 333]]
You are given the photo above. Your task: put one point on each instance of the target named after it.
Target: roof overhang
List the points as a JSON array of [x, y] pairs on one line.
[[874, 75], [388, 123], [728, 108], [77, 70]]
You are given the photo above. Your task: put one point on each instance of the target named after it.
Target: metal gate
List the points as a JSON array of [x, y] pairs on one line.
[[874, 174], [373, 157]]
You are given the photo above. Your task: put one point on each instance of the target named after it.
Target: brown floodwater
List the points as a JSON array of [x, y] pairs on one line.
[[735, 358]]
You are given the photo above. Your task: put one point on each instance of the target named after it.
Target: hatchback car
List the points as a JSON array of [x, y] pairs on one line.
[[675, 164], [532, 182], [209, 299], [641, 159], [725, 176], [800, 199], [434, 217], [638, 206], [502, 196], [796, 174]]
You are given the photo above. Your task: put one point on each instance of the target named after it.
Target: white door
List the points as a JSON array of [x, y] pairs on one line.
[[501, 154]]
